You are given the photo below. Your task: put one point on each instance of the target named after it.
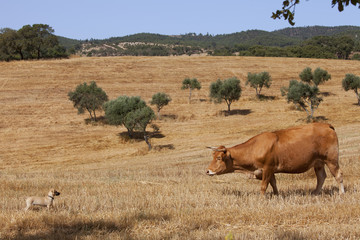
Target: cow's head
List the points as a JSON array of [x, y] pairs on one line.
[[221, 163]]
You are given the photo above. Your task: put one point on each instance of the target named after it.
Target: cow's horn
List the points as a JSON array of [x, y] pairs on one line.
[[216, 149], [212, 148]]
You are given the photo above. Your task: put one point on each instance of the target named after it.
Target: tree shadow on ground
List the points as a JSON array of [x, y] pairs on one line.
[[168, 116], [243, 112], [327, 94], [101, 120], [166, 146], [266, 98], [139, 136]]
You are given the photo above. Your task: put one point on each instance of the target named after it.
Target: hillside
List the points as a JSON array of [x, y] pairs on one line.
[[113, 188], [303, 33], [191, 43]]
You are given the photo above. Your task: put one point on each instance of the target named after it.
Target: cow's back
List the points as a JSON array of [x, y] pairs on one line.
[[297, 149]]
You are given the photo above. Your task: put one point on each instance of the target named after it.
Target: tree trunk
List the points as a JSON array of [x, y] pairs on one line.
[[307, 113], [312, 113], [91, 116], [38, 53], [190, 95], [130, 133], [21, 55], [147, 141]]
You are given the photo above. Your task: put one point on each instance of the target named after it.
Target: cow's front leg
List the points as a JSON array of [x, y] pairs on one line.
[[273, 184], [266, 178]]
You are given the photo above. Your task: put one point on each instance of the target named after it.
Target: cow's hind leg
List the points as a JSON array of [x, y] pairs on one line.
[[332, 161], [336, 172], [320, 175]]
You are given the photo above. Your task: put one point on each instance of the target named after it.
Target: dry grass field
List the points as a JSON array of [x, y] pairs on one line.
[[113, 188]]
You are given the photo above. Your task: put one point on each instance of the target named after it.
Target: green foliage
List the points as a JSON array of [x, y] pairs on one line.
[[287, 11], [306, 93], [9, 45], [356, 57], [352, 82], [88, 97], [190, 84], [131, 112], [30, 42], [258, 81], [138, 119], [228, 90], [160, 100], [303, 95], [288, 8], [317, 77], [329, 46]]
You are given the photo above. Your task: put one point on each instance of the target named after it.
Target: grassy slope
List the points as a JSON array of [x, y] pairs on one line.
[[115, 189]]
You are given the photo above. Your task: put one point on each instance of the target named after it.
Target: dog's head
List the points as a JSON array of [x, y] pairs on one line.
[[53, 193]]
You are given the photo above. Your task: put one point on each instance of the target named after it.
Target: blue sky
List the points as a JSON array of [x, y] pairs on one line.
[[85, 19]]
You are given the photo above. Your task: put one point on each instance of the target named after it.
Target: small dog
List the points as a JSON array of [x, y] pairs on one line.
[[42, 201]]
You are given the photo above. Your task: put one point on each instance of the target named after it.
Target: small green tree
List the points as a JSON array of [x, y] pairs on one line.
[[88, 97], [317, 77], [131, 112], [228, 90], [190, 84], [303, 95], [258, 81], [160, 100], [352, 82], [139, 119]]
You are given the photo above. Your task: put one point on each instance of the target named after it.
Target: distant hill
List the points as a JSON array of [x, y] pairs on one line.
[[68, 42], [304, 33], [191, 43]]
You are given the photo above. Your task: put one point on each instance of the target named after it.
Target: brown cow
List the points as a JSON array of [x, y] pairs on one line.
[[293, 150]]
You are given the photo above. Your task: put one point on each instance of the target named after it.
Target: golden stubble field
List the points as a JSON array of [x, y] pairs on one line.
[[112, 188]]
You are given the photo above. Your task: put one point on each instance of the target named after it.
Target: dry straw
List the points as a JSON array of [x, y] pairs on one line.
[[114, 189]]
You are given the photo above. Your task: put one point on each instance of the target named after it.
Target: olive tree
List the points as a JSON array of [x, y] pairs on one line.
[[303, 95], [352, 82], [317, 77], [228, 90], [258, 81], [160, 100], [130, 112], [190, 84], [88, 97]]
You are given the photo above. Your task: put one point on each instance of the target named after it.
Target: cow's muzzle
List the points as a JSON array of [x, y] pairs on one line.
[[210, 173]]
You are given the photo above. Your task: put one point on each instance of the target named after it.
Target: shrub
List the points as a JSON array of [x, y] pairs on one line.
[[88, 97]]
